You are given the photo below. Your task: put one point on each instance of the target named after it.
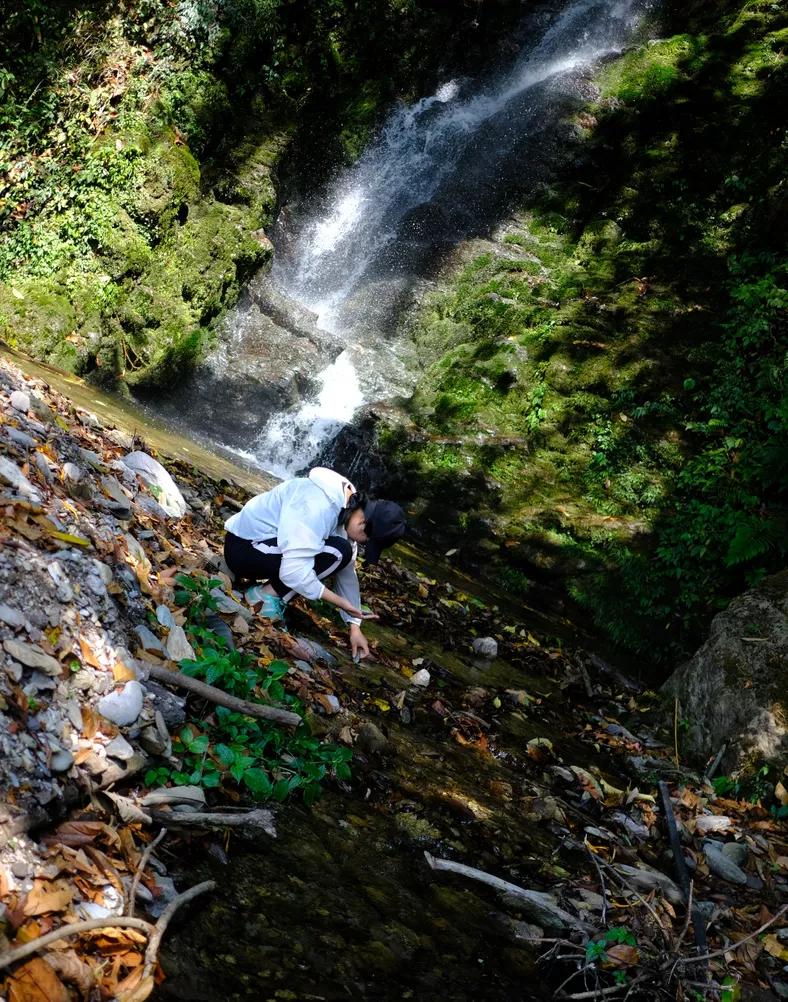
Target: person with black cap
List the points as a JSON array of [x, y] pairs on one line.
[[304, 531]]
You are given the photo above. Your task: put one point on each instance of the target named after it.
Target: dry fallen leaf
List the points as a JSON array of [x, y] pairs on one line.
[[621, 955], [47, 896], [773, 946], [35, 981], [70, 968]]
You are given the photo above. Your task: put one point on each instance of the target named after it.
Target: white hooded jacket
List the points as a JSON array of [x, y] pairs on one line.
[[301, 514]]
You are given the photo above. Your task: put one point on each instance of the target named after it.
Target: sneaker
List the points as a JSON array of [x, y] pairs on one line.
[[270, 606]]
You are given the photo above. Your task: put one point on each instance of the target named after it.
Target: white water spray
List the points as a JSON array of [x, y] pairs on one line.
[[348, 245]]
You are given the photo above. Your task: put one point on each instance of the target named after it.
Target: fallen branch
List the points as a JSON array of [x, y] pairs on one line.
[[74, 929], [534, 901], [152, 953], [214, 695], [259, 818], [141, 868]]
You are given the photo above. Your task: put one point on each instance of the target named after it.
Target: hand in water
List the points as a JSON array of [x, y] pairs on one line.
[[359, 646]]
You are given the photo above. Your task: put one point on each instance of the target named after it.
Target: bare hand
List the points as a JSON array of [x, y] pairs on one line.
[[358, 643]]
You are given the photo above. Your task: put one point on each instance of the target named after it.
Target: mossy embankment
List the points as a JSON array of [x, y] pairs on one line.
[[604, 407], [138, 167]]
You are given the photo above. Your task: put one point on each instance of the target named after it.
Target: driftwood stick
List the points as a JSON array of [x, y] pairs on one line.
[[152, 952], [73, 929], [141, 869], [602, 888], [534, 900], [214, 695], [259, 818]]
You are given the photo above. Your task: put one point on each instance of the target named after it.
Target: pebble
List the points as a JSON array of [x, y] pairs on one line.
[[11, 475], [11, 617], [148, 641], [61, 760], [119, 748], [20, 869], [21, 438], [177, 646], [420, 678], [32, 657], [20, 401], [371, 739], [124, 706], [45, 467], [165, 617], [721, 866], [736, 851], [72, 472], [485, 647]]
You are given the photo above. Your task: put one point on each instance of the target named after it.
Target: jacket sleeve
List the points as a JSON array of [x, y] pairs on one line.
[[346, 586]]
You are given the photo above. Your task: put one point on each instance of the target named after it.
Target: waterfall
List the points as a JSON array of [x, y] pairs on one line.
[[349, 255], [321, 335]]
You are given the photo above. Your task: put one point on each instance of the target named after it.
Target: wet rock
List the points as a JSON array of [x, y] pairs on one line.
[[171, 707], [229, 606], [371, 739], [150, 506], [177, 647], [485, 647], [124, 706], [20, 401], [155, 738], [163, 487], [32, 657], [221, 629], [721, 865]]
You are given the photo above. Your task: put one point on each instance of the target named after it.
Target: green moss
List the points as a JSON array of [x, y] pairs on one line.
[[170, 180], [645, 73]]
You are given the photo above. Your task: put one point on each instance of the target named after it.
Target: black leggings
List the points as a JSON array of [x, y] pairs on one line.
[[247, 561]]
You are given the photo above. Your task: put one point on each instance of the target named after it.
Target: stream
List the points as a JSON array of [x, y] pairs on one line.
[[343, 904], [323, 332]]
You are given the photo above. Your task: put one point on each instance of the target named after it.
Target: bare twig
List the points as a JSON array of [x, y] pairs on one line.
[[214, 695], [141, 868], [152, 953], [738, 943], [715, 764], [73, 929], [602, 887], [597, 992]]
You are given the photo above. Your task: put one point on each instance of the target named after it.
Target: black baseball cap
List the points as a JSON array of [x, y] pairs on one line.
[[385, 525]]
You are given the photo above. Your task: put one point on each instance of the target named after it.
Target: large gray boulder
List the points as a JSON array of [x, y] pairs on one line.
[[734, 690]]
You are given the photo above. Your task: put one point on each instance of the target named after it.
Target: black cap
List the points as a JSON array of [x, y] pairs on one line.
[[385, 524]]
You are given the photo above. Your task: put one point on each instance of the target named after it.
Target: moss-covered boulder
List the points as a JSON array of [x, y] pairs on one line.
[[733, 692]]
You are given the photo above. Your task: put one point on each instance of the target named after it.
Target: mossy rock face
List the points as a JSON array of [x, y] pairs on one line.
[[647, 72], [37, 316], [170, 181], [123, 248], [165, 314]]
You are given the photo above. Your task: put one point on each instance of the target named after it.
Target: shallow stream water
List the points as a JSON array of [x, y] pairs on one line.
[[343, 903]]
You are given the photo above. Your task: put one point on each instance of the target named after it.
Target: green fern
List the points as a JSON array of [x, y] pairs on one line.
[[756, 537]]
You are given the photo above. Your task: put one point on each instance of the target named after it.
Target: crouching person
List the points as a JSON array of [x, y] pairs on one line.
[[304, 531]]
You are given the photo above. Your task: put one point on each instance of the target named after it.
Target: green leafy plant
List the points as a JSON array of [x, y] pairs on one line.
[[229, 749]]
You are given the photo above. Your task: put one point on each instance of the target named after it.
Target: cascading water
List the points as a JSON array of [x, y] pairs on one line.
[[441, 170]]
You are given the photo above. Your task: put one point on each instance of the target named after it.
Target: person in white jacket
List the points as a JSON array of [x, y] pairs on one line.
[[304, 531]]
